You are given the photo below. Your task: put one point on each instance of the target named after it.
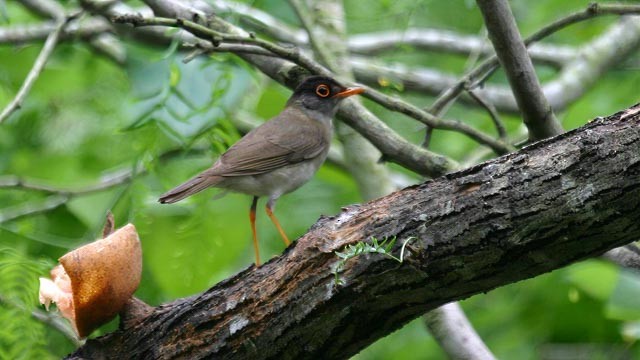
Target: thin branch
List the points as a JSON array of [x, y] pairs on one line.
[[537, 114], [437, 40], [394, 147], [611, 47], [41, 60], [426, 118], [428, 133], [444, 41], [627, 256], [260, 21], [593, 10], [493, 114], [57, 322], [58, 196], [455, 334], [45, 8], [477, 76], [601, 54], [33, 208], [108, 181], [321, 52], [217, 37], [51, 319], [84, 28]]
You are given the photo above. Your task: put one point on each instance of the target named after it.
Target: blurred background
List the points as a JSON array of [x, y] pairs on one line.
[[108, 135]]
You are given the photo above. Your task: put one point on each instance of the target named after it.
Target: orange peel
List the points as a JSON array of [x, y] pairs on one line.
[[93, 283]]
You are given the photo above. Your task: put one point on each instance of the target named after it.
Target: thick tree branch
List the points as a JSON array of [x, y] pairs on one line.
[[512, 53], [552, 203]]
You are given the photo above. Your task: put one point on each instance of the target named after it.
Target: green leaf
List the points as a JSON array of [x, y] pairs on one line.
[[631, 331], [624, 303], [594, 277]]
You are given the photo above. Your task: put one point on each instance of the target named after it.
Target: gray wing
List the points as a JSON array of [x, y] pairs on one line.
[[274, 144]]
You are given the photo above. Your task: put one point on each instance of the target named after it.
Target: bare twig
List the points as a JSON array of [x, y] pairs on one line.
[[319, 49], [217, 37], [444, 41], [58, 196], [627, 256], [455, 334], [426, 118], [51, 319], [437, 40], [108, 181], [33, 208], [426, 141], [45, 8], [57, 322], [109, 225], [601, 54], [512, 52], [493, 113], [41, 60], [477, 76]]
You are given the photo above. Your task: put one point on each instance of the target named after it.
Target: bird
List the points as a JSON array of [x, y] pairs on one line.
[[278, 156]]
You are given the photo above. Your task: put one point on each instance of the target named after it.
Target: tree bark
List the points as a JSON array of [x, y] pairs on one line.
[[557, 201]]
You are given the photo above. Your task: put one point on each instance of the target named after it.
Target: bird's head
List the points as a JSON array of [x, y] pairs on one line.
[[321, 94]]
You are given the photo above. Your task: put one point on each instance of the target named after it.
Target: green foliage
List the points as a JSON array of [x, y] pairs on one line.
[[184, 100], [363, 247], [21, 336], [617, 288]]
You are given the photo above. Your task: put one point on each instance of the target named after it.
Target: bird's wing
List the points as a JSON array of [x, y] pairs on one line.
[[287, 139]]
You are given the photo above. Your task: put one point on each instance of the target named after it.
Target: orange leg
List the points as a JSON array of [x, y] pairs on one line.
[[252, 218], [277, 224]]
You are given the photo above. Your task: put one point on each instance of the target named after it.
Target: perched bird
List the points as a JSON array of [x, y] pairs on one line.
[[278, 156]]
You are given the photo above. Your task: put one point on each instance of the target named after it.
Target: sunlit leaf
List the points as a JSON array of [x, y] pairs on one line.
[[624, 303], [596, 278]]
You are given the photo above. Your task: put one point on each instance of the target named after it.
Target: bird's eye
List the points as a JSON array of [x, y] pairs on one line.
[[323, 90]]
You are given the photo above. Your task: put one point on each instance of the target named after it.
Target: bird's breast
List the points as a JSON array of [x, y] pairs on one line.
[[277, 182]]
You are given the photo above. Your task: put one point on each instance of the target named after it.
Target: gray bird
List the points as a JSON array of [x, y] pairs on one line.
[[278, 156]]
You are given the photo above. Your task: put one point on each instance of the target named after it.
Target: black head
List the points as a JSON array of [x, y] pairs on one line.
[[321, 93]]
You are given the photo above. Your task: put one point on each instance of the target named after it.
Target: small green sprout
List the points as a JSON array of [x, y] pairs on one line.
[[363, 247]]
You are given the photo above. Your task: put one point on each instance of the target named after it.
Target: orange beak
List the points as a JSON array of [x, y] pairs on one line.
[[349, 92]]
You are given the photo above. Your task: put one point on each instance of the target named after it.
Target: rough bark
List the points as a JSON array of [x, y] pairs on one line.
[[552, 203]]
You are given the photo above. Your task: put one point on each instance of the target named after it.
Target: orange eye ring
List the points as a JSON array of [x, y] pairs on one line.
[[323, 90]]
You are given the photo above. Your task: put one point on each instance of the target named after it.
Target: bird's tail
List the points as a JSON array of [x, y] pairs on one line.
[[195, 185]]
